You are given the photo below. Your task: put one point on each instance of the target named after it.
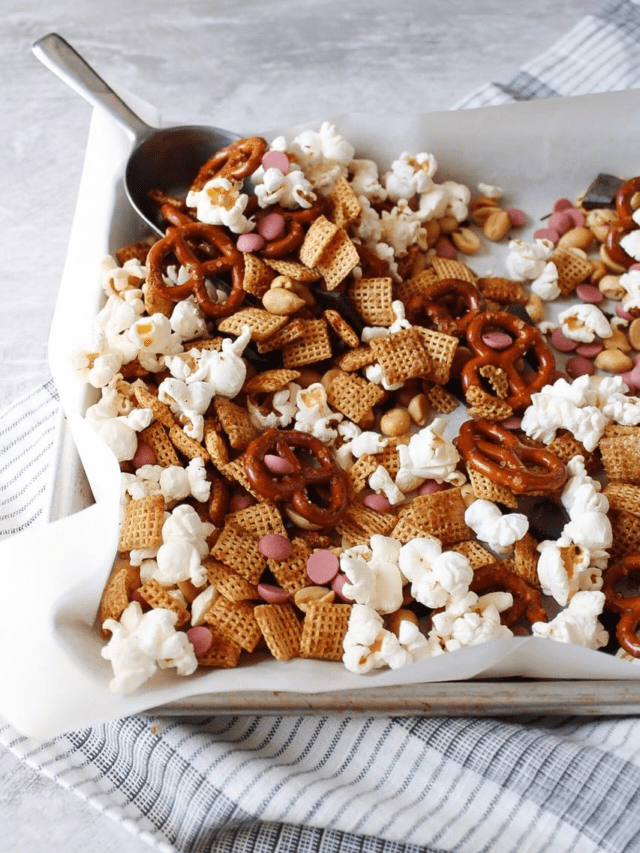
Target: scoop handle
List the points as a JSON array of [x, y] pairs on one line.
[[58, 56]]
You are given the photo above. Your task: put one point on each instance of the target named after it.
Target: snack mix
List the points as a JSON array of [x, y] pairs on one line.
[[339, 442]]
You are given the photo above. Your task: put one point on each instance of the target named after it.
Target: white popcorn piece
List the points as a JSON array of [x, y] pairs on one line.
[[373, 574], [365, 181], [527, 260], [188, 402], [187, 320], [283, 409], [428, 456], [368, 442], [314, 415], [584, 323], [184, 545], [578, 623], [546, 284], [410, 175], [560, 568], [380, 481], [221, 202], [631, 244], [118, 431], [438, 578], [400, 227], [142, 642], [117, 279], [324, 155], [499, 531], [154, 339], [490, 190], [477, 622], [630, 281], [174, 482]]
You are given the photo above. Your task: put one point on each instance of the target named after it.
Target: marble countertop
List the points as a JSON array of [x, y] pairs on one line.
[[247, 67]]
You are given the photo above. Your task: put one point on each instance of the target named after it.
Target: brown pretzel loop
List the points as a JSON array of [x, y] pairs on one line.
[[628, 192], [235, 162], [496, 452], [615, 233], [448, 306], [205, 251], [294, 230], [314, 467], [627, 606], [527, 600], [526, 339]]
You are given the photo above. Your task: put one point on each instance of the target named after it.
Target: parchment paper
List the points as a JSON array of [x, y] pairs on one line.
[[53, 676]]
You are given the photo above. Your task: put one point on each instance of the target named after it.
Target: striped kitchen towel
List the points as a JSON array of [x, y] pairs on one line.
[[340, 784]]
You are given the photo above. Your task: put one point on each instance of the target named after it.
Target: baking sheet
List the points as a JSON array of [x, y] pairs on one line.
[[57, 679]]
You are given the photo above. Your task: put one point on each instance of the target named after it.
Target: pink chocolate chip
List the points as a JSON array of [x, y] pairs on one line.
[[546, 234], [272, 594], [272, 226], [277, 464], [337, 585], [322, 566], [560, 222], [517, 217], [447, 250], [379, 503], [497, 340], [589, 293], [431, 486], [562, 204], [624, 315], [250, 242], [274, 546], [630, 380], [589, 350], [577, 217], [200, 638], [276, 160], [514, 422], [580, 366], [562, 342], [238, 501], [144, 455]]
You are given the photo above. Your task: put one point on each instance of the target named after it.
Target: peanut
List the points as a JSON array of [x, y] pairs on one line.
[[618, 340], [634, 334], [448, 223], [419, 409], [535, 308], [613, 360], [598, 222], [481, 208], [497, 225], [395, 422], [465, 240], [579, 238], [609, 286], [313, 595], [282, 301]]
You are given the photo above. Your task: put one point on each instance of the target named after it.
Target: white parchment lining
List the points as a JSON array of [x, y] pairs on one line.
[[53, 676]]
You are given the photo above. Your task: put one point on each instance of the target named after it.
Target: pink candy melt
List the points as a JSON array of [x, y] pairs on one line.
[[276, 160], [560, 222], [431, 486], [562, 204], [144, 455], [589, 293], [200, 638], [250, 242], [547, 234], [589, 350], [517, 217], [562, 342], [579, 366], [577, 217], [377, 502], [624, 315], [497, 340], [322, 566], [272, 226], [277, 464], [274, 546], [272, 594], [446, 250], [237, 502], [337, 584]]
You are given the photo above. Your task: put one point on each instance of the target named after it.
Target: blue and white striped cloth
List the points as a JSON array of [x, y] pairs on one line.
[[339, 784]]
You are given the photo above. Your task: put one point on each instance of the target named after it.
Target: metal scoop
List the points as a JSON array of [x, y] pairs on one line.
[[166, 160]]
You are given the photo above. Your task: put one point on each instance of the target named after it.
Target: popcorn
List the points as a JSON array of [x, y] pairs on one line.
[[578, 623], [437, 578], [221, 202], [183, 548], [410, 175], [118, 431], [479, 622], [365, 181], [527, 260], [428, 456], [373, 574], [630, 281], [546, 284], [491, 526], [584, 323]]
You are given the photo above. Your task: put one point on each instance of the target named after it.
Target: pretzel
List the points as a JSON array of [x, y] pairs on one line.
[[448, 305], [624, 200], [496, 452], [627, 193], [322, 474], [235, 162], [627, 607], [527, 601], [527, 339], [204, 251]]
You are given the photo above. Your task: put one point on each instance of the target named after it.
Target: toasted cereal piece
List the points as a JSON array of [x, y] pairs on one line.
[[338, 261], [373, 298], [353, 396], [342, 329], [317, 241], [205, 344], [215, 444], [497, 378], [351, 533], [280, 628], [268, 381], [342, 205], [257, 275], [314, 345], [447, 268], [573, 268], [484, 405], [156, 436], [442, 400], [229, 583], [323, 631], [476, 554], [261, 322], [415, 285], [235, 471], [356, 359], [291, 573], [565, 446], [486, 489], [186, 445], [259, 519], [222, 654], [389, 457], [626, 535], [123, 581], [623, 496], [134, 251], [218, 502], [620, 451], [405, 531], [361, 470], [402, 355], [441, 349], [234, 620], [525, 562], [147, 400], [142, 522], [236, 422], [441, 514], [293, 331], [238, 549], [504, 291], [157, 596], [294, 269]]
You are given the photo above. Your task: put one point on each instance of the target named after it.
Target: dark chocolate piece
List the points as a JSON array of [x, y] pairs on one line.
[[602, 192], [340, 301]]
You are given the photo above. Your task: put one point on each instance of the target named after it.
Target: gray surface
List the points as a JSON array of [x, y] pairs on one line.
[[248, 67]]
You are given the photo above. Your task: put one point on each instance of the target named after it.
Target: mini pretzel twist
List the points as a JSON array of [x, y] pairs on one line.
[[526, 339], [625, 224], [294, 230], [204, 251], [627, 607], [322, 473], [235, 161], [527, 600], [496, 452], [449, 306]]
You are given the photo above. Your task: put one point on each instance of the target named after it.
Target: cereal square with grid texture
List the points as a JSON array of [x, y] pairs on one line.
[[353, 396], [338, 261], [261, 322], [323, 631], [441, 514], [257, 275], [373, 298], [259, 519], [123, 581], [620, 451], [280, 628], [415, 285], [142, 521], [572, 268], [157, 596], [291, 573], [441, 349], [223, 653], [234, 620], [229, 583], [342, 204], [447, 268], [314, 345], [157, 437], [236, 423], [238, 549], [402, 355]]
